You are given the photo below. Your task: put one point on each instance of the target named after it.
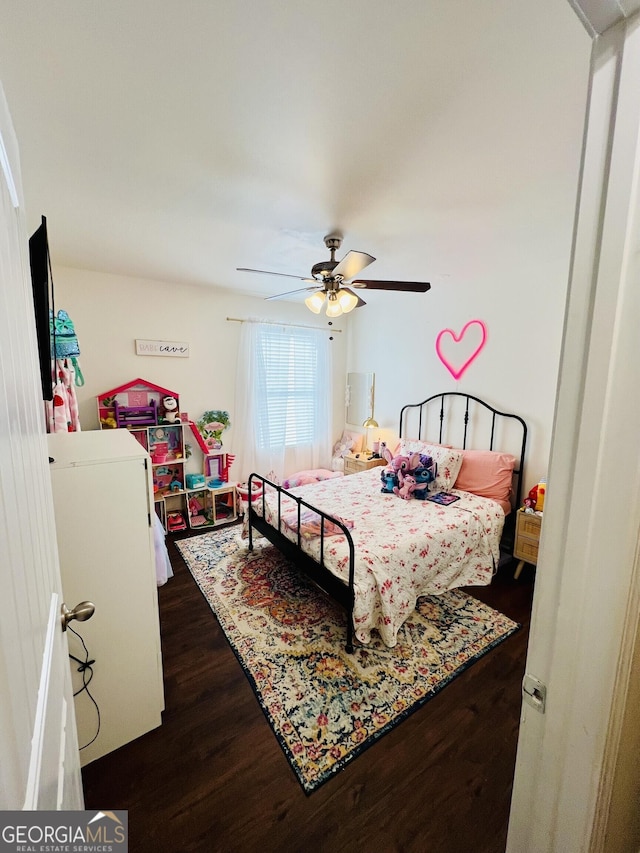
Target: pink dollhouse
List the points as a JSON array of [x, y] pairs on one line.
[[138, 404], [152, 415]]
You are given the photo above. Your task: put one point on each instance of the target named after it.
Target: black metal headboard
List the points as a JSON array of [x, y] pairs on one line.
[[466, 421]]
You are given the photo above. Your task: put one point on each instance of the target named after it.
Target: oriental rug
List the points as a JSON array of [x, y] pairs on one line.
[[324, 705]]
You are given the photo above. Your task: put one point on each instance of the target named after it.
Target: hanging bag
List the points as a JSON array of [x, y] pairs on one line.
[[64, 341]]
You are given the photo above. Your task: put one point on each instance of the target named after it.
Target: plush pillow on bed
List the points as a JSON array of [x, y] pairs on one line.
[[447, 459], [487, 473]]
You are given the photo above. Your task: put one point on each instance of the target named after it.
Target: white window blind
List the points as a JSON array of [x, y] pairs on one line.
[[289, 377]]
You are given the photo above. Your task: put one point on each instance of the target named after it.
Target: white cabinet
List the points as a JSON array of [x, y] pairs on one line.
[[103, 499]]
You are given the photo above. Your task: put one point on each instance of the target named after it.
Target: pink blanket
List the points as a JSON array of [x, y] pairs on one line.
[[314, 475]]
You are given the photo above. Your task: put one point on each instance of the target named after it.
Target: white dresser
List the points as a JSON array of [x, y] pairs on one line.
[[103, 500]]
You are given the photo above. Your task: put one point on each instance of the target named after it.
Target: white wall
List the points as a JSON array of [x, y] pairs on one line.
[[394, 336], [110, 312], [500, 254], [496, 248]]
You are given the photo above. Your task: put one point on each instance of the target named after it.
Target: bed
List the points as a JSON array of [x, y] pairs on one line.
[[375, 553]]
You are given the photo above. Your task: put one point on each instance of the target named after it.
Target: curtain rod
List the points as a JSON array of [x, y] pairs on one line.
[[273, 323]]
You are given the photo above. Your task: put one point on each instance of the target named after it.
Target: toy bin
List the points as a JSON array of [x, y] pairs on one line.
[[243, 493]]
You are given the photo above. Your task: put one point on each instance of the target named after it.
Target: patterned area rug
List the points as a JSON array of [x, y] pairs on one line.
[[324, 705]]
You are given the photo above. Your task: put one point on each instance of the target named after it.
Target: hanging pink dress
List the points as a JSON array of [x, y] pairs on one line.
[[62, 411]]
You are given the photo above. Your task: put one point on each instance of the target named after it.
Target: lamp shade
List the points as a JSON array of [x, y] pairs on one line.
[[347, 300], [370, 423], [315, 301], [334, 309]]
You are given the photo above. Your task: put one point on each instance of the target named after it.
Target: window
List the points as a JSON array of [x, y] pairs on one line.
[[289, 376], [283, 400]]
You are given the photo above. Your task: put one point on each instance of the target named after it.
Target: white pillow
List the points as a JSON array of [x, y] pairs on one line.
[[447, 459]]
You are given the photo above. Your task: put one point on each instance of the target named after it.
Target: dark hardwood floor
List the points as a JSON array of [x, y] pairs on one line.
[[214, 778]]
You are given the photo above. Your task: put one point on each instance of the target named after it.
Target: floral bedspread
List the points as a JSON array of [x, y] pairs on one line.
[[404, 549]]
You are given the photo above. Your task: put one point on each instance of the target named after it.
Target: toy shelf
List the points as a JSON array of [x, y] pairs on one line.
[[210, 507], [152, 415]]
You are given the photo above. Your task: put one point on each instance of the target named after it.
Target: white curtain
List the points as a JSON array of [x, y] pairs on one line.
[[255, 449]]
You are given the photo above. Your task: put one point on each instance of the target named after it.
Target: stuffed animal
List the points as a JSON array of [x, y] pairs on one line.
[[400, 465], [420, 469], [389, 481], [171, 414], [343, 446], [407, 489], [423, 476]]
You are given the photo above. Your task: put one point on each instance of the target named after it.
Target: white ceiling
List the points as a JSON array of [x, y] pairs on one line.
[[180, 139]]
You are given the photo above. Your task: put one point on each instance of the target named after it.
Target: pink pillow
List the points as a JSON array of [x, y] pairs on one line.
[[487, 473]]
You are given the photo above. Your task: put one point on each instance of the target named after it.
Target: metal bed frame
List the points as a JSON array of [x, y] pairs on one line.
[[339, 590]]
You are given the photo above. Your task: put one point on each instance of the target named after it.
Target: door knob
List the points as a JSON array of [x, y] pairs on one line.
[[81, 612]]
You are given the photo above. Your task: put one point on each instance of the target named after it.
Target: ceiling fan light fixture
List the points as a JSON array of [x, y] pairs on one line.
[[315, 302], [328, 278], [347, 300], [334, 309]]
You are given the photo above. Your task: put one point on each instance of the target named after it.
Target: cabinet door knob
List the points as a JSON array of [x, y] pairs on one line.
[[81, 612]]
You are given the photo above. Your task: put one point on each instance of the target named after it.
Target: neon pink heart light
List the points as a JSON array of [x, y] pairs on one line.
[[457, 372]]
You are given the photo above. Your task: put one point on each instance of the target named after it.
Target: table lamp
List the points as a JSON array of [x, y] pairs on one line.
[[369, 424]]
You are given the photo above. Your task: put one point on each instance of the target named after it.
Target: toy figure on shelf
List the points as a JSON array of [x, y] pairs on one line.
[[175, 485], [531, 500], [170, 415]]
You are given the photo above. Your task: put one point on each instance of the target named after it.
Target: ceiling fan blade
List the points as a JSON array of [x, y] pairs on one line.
[[352, 264], [268, 272], [293, 292], [407, 286]]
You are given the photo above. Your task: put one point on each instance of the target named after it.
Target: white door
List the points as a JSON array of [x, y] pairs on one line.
[[39, 764], [585, 613]]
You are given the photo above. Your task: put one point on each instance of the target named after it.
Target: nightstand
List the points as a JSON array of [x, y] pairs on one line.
[[354, 464], [528, 528]]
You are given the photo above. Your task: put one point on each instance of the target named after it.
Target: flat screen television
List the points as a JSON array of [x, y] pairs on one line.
[[40, 283]]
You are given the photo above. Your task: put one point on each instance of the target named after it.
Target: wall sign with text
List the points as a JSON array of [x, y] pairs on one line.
[[177, 349]]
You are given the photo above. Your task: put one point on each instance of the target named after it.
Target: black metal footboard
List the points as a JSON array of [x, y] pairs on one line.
[[314, 569]]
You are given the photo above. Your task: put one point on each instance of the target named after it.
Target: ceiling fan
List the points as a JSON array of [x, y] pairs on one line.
[[329, 277]]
